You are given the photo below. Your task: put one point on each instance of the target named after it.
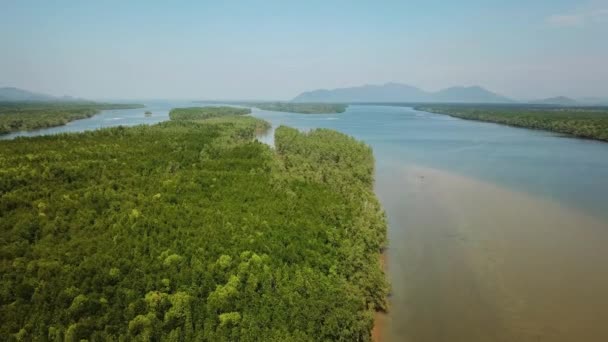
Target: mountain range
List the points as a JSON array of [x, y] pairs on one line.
[[389, 92], [396, 92]]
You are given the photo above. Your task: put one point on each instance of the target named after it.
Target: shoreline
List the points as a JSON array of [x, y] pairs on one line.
[[563, 134]]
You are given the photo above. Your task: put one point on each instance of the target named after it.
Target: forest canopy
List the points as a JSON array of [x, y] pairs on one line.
[[301, 108], [25, 116], [292, 107], [202, 113], [584, 122], [189, 230]]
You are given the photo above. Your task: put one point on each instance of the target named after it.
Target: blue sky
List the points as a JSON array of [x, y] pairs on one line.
[[277, 49]]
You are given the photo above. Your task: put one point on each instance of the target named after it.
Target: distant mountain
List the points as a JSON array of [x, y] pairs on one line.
[[395, 92], [12, 94], [16, 94], [389, 92], [558, 100], [469, 94], [594, 101]]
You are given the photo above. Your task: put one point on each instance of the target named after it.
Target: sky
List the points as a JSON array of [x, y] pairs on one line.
[[274, 50]]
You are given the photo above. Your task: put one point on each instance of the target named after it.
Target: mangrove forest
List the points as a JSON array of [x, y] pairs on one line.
[[189, 230], [583, 122]]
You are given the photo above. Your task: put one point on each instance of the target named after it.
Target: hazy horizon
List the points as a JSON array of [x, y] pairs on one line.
[[274, 50]]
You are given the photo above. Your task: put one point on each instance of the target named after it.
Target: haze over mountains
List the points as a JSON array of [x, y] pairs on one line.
[[396, 92], [12, 94], [568, 101], [389, 92], [558, 100]]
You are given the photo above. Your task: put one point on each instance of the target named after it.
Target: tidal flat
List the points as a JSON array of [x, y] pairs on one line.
[[473, 261]]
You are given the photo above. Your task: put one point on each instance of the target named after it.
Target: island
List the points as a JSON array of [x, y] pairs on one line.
[[190, 230], [301, 107], [582, 122], [202, 113], [26, 116], [148, 113], [291, 107]]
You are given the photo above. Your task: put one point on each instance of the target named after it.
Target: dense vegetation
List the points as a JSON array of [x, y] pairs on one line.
[[584, 122], [292, 107], [301, 108], [189, 231], [239, 124], [202, 113], [23, 116]]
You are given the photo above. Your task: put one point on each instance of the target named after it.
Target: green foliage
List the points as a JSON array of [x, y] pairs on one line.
[[23, 116], [302, 108], [189, 230], [240, 126], [591, 123], [202, 113]]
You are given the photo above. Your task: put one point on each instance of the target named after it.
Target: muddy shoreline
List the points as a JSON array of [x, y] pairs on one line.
[[380, 316]]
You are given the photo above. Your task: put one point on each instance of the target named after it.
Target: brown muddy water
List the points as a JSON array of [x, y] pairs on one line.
[[471, 261]]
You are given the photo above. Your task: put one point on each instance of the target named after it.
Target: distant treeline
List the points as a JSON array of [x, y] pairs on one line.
[[293, 107], [301, 108], [584, 122], [24, 116], [202, 113], [189, 231]]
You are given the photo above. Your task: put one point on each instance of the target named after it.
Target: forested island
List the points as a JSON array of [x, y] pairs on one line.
[[292, 107], [201, 113], [583, 122], [25, 116], [301, 108], [189, 230]]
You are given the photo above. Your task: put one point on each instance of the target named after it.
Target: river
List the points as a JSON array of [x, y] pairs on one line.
[[496, 233]]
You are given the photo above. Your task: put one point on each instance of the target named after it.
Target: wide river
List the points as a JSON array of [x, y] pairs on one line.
[[496, 233]]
